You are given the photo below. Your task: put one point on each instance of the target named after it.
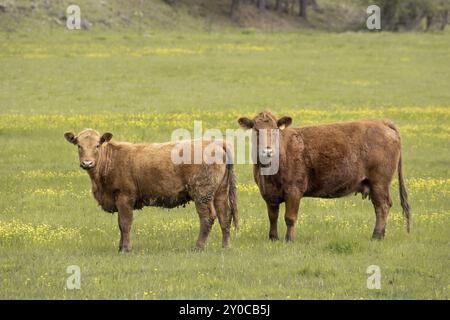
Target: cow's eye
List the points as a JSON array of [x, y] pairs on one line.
[[98, 146], [79, 147]]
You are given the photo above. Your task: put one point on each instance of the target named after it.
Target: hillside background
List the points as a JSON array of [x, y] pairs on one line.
[[213, 15]]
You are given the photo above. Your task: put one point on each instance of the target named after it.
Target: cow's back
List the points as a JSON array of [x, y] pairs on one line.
[[149, 174], [338, 157]]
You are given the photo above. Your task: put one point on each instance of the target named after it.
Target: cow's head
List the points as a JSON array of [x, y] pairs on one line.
[[265, 128], [89, 143]]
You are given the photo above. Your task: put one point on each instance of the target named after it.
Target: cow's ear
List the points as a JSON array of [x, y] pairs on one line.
[[246, 123], [71, 137], [106, 137], [284, 122]]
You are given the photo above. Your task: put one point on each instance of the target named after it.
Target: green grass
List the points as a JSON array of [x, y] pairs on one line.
[[143, 87]]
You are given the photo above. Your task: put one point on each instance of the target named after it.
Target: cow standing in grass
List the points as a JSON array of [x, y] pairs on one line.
[[129, 176], [327, 161]]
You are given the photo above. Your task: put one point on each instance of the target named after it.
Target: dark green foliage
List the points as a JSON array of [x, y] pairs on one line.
[[399, 15]]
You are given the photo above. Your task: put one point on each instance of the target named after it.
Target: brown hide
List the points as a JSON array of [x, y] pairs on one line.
[[331, 161], [128, 176], [146, 174]]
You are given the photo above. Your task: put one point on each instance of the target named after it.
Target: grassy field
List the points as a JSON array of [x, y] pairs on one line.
[[143, 87]]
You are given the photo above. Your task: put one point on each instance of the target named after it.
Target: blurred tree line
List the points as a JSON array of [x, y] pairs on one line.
[[409, 14], [286, 6], [396, 15]]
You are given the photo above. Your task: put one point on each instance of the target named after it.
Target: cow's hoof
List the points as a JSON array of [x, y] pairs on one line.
[[124, 250], [289, 239], [198, 248], [273, 237], [377, 236]]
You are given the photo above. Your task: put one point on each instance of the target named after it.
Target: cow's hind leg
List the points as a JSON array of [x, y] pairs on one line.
[[223, 212], [224, 216], [382, 202], [207, 215]]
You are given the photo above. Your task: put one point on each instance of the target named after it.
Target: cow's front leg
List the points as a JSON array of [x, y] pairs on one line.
[[290, 217], [273, 211], [125, 218]]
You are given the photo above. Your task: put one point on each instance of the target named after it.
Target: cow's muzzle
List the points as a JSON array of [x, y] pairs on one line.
[[265, 157], [87, 164], [267, 153]]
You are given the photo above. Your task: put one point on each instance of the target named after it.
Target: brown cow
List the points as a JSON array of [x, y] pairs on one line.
[[129, 176], [327, 161]]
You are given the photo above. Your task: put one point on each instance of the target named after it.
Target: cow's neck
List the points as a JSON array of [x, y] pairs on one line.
[[265, 181]]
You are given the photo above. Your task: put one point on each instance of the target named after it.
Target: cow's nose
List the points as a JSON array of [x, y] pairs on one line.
[[267, 152], [87, 164]]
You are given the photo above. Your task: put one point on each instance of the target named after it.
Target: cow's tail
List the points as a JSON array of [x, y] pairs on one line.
[[403, 195], [401, 183], [232, 197]]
